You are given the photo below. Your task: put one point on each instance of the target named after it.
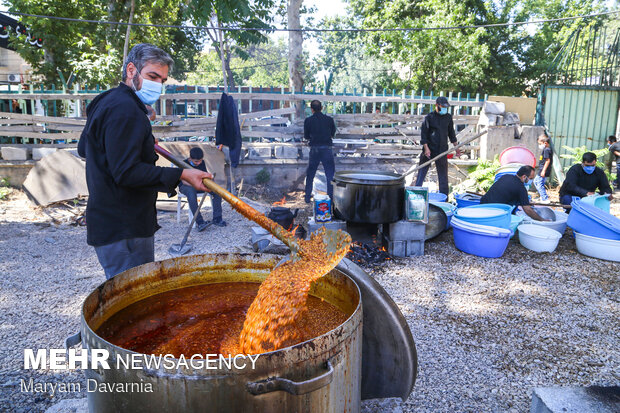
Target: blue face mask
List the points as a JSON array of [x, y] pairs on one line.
[[149, 92], [527, 184], [443, 111], [589, 169]]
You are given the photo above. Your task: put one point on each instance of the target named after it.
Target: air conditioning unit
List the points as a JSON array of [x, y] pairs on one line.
[[14, 78]]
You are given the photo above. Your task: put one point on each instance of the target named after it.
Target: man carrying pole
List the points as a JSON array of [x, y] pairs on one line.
[[436, 129]]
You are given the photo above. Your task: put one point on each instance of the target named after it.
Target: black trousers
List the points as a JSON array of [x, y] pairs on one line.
[[324, 155], [442, 173]]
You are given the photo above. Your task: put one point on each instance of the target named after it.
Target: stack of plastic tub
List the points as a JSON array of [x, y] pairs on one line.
[[483, 230], [509, 169], [517, 154], [480, 240], [493, 215], [597, 233]]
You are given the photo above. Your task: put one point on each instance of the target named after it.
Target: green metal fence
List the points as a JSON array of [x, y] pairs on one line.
[[580, 115]]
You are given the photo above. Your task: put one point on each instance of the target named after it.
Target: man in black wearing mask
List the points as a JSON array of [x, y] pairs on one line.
[[584, 179], [319, 129], [436, 129], [123, 181]]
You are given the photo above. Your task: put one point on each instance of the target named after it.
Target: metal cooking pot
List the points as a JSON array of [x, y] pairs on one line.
[[374, 197], [319, 375], [283, 216]]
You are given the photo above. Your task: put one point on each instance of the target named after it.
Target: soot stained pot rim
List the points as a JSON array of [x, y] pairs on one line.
[[381, 178]]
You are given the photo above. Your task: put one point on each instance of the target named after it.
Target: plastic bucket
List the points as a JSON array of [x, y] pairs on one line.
[[465, 200], [538, 239], [493, 215], [483, 241], [437, 196], [599, 201], [589, 220]]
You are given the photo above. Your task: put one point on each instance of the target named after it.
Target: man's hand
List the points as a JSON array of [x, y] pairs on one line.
[[591, 193], [610, 196], [427, 151], [458, 153], [194, 177]]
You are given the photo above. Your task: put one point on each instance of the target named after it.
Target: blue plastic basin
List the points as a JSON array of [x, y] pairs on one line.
[[437, 196], [509, 208], [589, 220], [515, 221], [465, 200], [480, 240], [492, 215]]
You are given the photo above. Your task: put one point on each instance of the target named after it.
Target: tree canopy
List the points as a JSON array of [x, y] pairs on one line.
[[496, 60], [94, 52]]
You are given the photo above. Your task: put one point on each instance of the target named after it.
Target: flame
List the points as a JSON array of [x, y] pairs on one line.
[[280, 202], [382, 249], [294, 231]]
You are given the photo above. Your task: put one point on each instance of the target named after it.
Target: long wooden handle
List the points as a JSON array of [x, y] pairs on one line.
[[244, 209], [454, 148]]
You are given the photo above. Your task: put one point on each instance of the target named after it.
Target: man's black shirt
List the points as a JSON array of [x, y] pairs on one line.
[[615, 147], [122, 178], [319, 129], [579, 183], [435, 131], [507, 190]]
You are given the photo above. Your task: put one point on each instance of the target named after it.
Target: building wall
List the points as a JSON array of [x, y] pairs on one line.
[[525, 107], [11, 62]]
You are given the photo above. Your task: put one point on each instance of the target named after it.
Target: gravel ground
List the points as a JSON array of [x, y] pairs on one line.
[[487, 330]]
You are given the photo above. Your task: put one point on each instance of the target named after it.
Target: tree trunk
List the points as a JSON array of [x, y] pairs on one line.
[[128, 32], [295, 49], [222, 48]]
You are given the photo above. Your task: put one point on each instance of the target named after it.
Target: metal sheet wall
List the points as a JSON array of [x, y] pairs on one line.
[[580, 115]]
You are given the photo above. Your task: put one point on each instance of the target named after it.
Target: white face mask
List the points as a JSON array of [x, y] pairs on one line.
[[541, 146], [149, 91]]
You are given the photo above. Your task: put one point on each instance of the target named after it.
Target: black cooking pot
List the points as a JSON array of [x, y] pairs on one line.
[[283, 216], [374, 197]]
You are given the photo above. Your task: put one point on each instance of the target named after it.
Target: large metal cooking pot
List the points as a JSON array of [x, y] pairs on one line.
[[319, 375], [373, 197]]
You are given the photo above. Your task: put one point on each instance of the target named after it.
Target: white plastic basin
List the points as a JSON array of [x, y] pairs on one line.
[[538, 238], [605, 249], [480, 212], [559, 224]]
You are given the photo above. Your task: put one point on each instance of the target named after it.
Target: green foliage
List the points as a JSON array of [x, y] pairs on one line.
[[265, 65], [481, 176], [506, 60], [263, 176], [484, 173], [350, 65], [426, 59], [4, 188], [244, 14], [94, 52]]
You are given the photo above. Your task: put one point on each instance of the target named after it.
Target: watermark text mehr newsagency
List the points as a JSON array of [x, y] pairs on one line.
[[61, 359]]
